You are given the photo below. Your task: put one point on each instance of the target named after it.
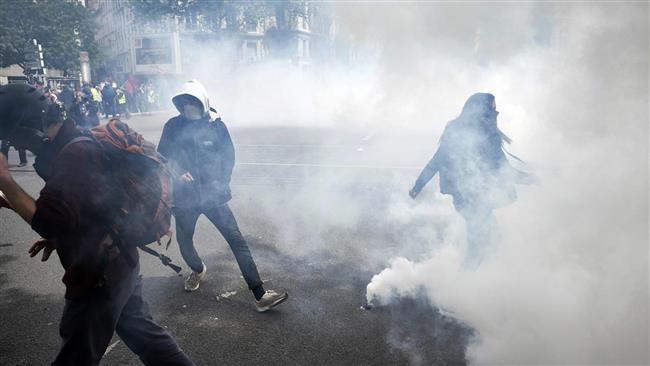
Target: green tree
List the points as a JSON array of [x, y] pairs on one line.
[[62, 27]]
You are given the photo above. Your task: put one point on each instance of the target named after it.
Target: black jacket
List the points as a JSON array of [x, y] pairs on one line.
[[204, 149], [470, 159], [76, 209]]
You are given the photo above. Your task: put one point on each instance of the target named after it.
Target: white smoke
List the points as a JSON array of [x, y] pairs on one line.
[[569, 280]]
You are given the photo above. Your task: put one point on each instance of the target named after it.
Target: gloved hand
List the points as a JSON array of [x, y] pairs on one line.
[[413, 193]]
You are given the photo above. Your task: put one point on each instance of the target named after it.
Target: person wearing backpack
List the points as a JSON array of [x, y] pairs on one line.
[[75, 214], [201, 151]]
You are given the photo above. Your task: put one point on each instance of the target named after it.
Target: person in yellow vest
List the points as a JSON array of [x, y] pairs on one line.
[[97, 99], [122, 108]]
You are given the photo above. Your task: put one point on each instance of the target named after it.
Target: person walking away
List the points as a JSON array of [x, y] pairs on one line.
[[108, 95], [67, 97], [474, 170], [201, 150], [74, 214]]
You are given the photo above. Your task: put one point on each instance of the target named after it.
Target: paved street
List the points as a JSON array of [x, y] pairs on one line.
[[316, 206]]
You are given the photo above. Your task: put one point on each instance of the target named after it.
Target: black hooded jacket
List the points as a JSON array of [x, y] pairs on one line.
[[204, 149], [470, 158]]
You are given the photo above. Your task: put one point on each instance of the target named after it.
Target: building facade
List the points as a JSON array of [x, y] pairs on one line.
[[172, 45]]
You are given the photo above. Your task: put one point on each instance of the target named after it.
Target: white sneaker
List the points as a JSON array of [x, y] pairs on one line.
[[269, 300], [193, 281]]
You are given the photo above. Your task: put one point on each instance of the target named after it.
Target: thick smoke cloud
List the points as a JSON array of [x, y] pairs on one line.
[[568, 280]]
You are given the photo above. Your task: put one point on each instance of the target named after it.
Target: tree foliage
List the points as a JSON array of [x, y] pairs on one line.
[[62, 27]]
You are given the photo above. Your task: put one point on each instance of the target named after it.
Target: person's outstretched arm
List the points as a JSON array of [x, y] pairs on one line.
[[428, 172]]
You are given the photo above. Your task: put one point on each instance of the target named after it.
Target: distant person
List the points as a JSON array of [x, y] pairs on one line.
[[202, 151], [22, 154], [96, 98], [141, 99], [108, 96], [130, 87], [474, 170], [67, 97], [75, 214], [152, 98], [77, 112], [122, 105]]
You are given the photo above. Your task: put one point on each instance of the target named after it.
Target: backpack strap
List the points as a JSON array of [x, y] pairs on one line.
[[75, 140]]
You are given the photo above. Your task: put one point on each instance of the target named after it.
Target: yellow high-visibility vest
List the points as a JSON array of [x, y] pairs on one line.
[[122, 99], [97, 97]]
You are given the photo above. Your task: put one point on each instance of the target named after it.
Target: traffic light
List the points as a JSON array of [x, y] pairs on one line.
[[34, 58]]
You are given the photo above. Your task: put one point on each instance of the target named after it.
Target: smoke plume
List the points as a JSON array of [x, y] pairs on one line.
[[568, 280]]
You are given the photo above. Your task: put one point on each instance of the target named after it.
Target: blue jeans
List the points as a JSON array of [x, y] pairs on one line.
[[222, 218]]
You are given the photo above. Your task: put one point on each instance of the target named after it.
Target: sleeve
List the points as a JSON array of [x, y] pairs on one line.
[[428, 172], [227, 151], [167, 149], [165, 144]]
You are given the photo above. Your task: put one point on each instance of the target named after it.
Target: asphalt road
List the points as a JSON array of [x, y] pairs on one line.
[[315, 205]]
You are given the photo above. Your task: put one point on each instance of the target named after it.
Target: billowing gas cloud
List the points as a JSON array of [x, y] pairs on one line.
[[568, 280]]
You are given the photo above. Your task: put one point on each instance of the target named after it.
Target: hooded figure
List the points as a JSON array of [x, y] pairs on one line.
[[198, 147], [202, 154], [474, 170]]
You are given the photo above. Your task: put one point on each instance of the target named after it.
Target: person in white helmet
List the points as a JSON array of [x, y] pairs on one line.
[[201, 150]]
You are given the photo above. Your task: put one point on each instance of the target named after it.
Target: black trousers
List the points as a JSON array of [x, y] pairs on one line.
[[482, 229], [22, 153], [222, 218], [88, 324]]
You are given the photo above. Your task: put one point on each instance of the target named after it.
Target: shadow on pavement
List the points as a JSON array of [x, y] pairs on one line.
[[30, 322]]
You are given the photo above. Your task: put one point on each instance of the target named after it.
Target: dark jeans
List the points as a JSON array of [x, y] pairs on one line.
[[22, 154], [482, 230], [88, 324], [222, 218]]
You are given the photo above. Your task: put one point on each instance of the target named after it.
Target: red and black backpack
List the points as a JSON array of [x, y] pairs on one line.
[[142, 180]]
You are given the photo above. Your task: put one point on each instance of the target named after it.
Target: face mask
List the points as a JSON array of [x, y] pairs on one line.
[[192, 112]]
